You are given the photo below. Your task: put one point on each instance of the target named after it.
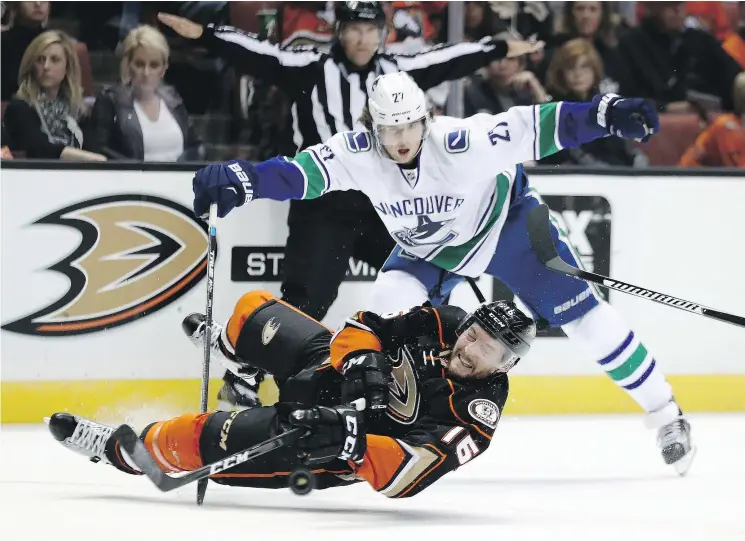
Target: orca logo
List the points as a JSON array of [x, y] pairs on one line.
[[137, 254], [426, 232]]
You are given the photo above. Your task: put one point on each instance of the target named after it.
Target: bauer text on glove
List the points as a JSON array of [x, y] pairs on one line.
[[229, 184]]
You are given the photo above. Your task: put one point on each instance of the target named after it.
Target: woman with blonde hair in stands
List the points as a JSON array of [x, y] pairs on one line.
[[42, 119], [142, 118]]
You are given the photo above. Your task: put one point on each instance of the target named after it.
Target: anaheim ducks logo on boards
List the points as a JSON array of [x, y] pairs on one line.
[[137, 254]]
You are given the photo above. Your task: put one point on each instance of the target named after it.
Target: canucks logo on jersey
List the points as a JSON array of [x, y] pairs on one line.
[[426, 232]]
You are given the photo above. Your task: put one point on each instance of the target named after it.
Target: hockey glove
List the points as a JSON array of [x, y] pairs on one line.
[[337, 432], [629, 118], [229, 185], [367, 376]]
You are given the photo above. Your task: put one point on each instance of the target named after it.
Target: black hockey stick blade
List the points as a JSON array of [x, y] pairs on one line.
[[128, 440], [539, 233]]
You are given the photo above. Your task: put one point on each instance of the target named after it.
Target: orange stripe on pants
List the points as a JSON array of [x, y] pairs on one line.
[[247, 305], [175, 443]]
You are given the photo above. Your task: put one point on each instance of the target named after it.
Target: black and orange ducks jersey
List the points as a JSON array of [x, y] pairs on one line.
[[434, 423]]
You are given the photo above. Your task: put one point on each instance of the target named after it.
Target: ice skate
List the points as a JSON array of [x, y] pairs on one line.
[[241, 382], [673, 437], [193, 327], [86, 437], [238, 393]]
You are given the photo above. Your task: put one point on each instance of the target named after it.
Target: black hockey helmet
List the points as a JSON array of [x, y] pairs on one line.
[[505, 322], [366, 12]]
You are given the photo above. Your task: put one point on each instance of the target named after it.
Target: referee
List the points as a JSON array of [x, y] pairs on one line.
[[328, 92]]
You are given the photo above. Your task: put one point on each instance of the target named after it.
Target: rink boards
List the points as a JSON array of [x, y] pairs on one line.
[[100, 333]]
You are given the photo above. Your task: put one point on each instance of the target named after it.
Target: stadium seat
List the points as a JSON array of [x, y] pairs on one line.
[[86, 72], [677, 133], [244, 15]]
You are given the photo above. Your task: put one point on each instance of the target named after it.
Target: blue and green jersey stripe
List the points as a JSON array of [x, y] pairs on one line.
[[314, 174], [546, 125], [451, 257]]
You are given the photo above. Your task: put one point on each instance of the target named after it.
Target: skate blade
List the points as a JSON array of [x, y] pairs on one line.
[[684, 464]]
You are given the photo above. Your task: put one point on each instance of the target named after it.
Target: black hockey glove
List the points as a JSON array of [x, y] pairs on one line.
[[367, 376], [629, 118], [337, 432]]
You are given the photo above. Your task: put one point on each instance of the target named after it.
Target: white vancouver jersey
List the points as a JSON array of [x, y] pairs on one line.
[[451, 209]]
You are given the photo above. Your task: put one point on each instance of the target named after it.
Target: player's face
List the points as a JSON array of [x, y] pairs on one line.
[[402, 142], [360, 41], [476, 354]]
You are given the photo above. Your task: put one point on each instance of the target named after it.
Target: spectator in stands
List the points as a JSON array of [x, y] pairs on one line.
[[478, 21], [592, 21], [709, 16], [502, 84], [667, 61], [142, 118], [411, 20], [42, 119], [534, 20], [26, 21], [574, 75], [734, 45], [722, 144]]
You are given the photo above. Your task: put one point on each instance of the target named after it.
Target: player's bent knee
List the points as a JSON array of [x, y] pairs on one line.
[[396, 290], [175, 443], [245, 306], [601, 330], [275, 337]]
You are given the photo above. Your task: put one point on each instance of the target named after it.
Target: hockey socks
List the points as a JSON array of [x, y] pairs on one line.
[[623, 357]]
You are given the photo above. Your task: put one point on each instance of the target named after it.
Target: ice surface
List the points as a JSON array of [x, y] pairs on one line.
[[590, 478]]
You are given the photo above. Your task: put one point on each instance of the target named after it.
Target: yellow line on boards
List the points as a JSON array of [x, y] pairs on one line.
[[141, 401]]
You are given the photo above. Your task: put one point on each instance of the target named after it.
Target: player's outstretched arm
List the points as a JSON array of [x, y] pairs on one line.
[[310, 174], [288, 68], [534, 132]]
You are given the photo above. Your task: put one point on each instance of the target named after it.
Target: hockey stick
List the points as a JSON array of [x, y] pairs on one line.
[[211, 253], [476, 291], [128, 440], [539, 233]]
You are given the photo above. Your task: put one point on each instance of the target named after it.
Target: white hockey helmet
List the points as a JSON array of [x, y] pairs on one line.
[[396, 100]]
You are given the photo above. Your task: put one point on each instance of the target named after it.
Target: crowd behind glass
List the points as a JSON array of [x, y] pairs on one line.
[[103, 81]]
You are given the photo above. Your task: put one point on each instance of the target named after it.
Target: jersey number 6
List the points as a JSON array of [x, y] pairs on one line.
[[466, 449]]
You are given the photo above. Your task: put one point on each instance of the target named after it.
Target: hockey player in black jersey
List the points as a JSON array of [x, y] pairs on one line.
[[434, 382]]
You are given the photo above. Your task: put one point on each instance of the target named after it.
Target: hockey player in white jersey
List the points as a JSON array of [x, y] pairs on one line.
[[454, 196]]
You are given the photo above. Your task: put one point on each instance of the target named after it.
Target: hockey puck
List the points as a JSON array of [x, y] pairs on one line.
[[301, 482]]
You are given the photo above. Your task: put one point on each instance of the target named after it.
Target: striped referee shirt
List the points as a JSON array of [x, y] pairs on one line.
[[328, 93]]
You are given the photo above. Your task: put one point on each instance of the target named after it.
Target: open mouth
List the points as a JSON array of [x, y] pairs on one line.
[[403, 152], [465, 363]]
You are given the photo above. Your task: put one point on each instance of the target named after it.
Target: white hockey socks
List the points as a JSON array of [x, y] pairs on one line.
[[618, 351]]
